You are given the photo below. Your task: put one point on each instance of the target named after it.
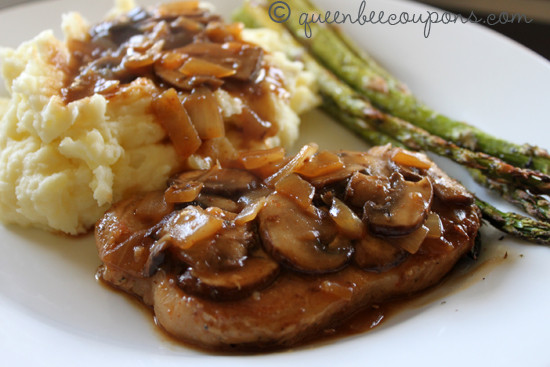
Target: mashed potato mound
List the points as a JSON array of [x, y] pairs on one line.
[[62, 165]]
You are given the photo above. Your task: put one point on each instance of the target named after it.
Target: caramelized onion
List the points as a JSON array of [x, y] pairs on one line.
[[196, 66], [410, 159], [171, 60], [218, 149], [244, 59], [183, 82], [189, 226], [175, 120], [347, 221], [184, 193], [322, 163], [298, 189], [412, 242], [250, 211], [205, 114], [434, 225], [257, 158], [305, 153]]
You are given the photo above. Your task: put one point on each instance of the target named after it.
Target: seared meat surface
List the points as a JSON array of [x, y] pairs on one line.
[[268, 251]]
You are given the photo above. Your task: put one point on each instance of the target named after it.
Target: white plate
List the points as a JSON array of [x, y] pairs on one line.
[[53, 311]]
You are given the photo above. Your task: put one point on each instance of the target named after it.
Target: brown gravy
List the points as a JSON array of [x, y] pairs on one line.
[[186, 48], [465, 274]]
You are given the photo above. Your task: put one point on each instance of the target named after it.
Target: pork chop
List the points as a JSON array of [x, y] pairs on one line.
[[307, 242]]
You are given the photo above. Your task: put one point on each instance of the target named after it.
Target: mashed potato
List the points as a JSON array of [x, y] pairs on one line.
[[63, 164]]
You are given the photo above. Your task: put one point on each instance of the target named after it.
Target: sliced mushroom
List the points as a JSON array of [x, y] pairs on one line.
[[229, 182], [362, 188], [404, 213], [226, 182], [227, 249], [448, 189], [256, 273], [299, 239], [368, 162], [210, 200], [356, 158]]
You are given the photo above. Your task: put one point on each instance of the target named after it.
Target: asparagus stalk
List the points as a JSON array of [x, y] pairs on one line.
[[516, 224], [511, 223], [534, 205], [360, 127], [333, 90], [358, 71]]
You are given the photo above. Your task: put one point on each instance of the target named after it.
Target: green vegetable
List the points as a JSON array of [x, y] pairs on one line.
[[378, 128], [358, 70]]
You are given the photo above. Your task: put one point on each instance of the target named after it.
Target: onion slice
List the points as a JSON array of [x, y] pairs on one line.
[[305, 153], [189, 226], [298, 189], [411, 242], [250, 212], [183, 193], [322, 163], [435, 227], [196, 66], [204, 111], [258, 158], [347, 221], [175, 120], [410, 159]]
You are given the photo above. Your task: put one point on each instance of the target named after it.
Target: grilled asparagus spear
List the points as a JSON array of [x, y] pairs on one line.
[[512, 223], [535, 205], [363, 74]]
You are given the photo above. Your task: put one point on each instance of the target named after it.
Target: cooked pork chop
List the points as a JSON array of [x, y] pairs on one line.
[[271, 251]]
